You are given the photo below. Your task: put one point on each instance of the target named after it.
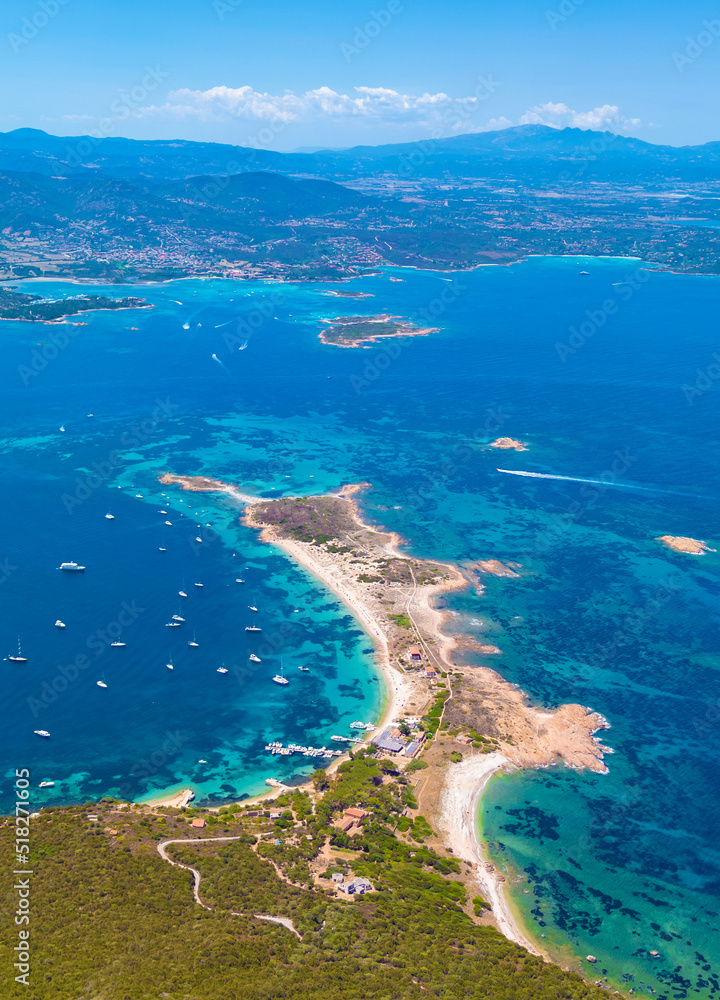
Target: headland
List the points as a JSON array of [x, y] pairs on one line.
[[394, 596]]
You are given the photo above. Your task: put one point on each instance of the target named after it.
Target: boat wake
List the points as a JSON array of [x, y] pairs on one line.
[[573, 479]]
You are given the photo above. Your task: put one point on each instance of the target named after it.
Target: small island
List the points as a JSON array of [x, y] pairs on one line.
[[508, 443], [357, 331], [348, 294], [691, 546], [21, 306]]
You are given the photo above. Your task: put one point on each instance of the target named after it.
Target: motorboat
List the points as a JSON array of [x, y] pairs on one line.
[[198, 538], [178, 618], [59, 624], [238, 580], [182, 593], [255, 659], [199, 584], [118, 644], [253, 628], [42, 732], [304, 670], [172, 624], [46, 784], [222, 670], [102, 683], [252, 607], [72, 567], [169, 523]]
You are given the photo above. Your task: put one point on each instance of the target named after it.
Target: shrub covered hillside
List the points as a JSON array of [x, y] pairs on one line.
[[112, 920]]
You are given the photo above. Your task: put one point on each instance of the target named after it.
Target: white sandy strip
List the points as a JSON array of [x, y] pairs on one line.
[[396, 692], [457, 820]]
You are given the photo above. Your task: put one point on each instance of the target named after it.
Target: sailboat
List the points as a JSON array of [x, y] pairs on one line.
[[182, 593], [252, 607], [194, 641], [169, 663], [102, 683], [253, 628], [19, 658], [281, 678]]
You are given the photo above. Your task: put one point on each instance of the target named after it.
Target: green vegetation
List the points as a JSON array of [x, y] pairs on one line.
[[114, 921], [402, 620], [456, 756], [416, 765], [18, 305]]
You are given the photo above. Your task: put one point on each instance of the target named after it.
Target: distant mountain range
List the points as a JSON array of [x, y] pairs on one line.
[[529, 152]]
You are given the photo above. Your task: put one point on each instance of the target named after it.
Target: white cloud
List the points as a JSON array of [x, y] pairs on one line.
[[370, 103], [606, 118]]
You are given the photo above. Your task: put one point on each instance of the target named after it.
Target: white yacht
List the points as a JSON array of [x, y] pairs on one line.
[[72, 567], [193, 641], [253, 628], [199, 584], [59, 624], [198, 538], [42, 732], [255, 659], [182, 593], [19, 658], [172, 624], [281, 678], [46, 784], [238, 580], [118, 643], [252, 607], [109, 517], [163, 512], [169, 523], [222, 670], [304, 670], [102, 683], [169, 664]]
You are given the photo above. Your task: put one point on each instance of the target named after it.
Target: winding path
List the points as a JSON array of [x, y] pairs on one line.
[[197, 877]]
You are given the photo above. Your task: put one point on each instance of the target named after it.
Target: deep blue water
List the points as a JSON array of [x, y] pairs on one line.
[[609, 376]]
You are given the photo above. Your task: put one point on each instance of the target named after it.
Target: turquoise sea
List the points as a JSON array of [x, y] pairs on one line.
[[611, 377]]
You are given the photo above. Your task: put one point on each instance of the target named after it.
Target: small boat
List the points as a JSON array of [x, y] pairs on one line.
[[19, 658], [139, 496], [252, 628], [182, 593], [198, 538], [193, 641], [72, 567], [199, 584], [255, 659], [178, 618], [62, 428], [90, 414], [252, 607], [42, 732], [222, 670], [169, 664], [102, 683], [46, 784], [59, 624], [109, 517], [584, 272], [172, 624], [238, 580], [201, 761], [281, 678], [304, 670], [118, 643], [163, 512], [161, 548], [169, 523]]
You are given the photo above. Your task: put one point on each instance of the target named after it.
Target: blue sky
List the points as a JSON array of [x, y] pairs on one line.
[[284, 74]]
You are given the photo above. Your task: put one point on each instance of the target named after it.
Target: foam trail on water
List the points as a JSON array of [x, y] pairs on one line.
[[573, 479]]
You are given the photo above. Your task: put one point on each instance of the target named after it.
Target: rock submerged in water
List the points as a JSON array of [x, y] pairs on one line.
[[507, 443]]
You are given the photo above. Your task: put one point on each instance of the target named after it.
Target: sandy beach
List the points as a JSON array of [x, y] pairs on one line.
[[457, 822]]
